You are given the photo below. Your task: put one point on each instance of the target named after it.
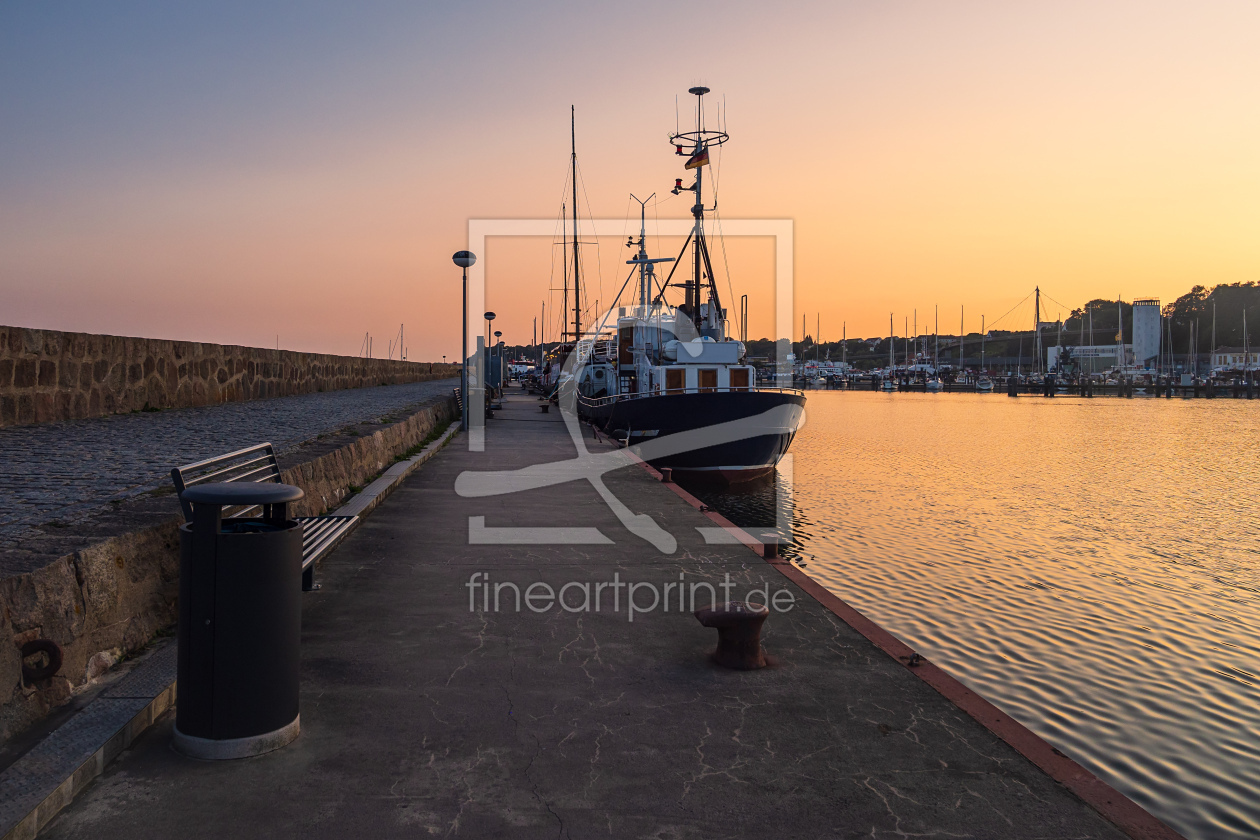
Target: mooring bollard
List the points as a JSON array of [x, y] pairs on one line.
[[667, 475], [739, 633]]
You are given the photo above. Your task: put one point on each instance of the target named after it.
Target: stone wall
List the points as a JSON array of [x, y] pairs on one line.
[[48, 375], [109, 599]]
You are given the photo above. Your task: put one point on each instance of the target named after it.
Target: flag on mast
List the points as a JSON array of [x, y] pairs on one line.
[[698, 160]]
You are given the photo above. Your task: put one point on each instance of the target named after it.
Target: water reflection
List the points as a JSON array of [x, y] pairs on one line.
[[1088, 565]]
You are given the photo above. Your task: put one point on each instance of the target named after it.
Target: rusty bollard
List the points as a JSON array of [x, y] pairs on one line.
[[667, 475], [739, 633]]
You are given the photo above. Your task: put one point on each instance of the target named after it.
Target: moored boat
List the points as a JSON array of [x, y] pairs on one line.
[[669, 380]]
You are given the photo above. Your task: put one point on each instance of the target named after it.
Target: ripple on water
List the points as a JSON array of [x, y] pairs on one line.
[[1088, 565]]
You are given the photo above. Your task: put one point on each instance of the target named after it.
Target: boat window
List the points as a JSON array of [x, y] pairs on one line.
[[739, 378], [675, 379], [708, 379]]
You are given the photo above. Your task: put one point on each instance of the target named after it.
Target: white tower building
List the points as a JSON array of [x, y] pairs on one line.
[[1146, 331]]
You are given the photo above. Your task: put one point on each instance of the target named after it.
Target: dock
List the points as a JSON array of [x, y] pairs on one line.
[[427, 712]]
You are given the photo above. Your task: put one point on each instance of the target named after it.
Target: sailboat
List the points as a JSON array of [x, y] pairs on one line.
[[669, 380], [935, 385], [984, 384], [887, 384], [555, 371]]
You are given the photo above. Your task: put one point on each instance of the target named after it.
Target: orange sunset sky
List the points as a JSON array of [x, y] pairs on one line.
[[236, 171]]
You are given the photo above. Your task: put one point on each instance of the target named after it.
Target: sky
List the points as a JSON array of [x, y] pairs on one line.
[[300, 173]]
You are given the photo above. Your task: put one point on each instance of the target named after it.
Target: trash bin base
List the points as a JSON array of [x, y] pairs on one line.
[[211, 749]]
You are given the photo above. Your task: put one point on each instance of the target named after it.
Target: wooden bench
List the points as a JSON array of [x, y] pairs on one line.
[[320, 534]]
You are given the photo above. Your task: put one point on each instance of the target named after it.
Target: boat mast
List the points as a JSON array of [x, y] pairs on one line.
[[982, 371], [701, 140], [1058, 359], [1120, 354], [1037, 329], [577, 286], [892, 342], [564, 257], [962, 335]]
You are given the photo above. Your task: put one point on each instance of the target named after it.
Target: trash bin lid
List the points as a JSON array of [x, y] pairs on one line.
[[242, 493]]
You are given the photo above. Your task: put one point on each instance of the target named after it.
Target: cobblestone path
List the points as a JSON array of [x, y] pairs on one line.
[[59, 471]]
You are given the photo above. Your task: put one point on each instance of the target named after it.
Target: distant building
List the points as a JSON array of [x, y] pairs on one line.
[[1095, 357], [1147, 327], [1233, 358]]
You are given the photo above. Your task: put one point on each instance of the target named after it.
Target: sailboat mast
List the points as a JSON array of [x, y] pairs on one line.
[[962, 335], [564, 258], [892, 343], [1120, 354], [577, 285], [1246, 359], [1037, 329], [982, 345]]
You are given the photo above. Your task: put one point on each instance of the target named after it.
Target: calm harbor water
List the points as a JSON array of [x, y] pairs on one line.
[[1090, 566]]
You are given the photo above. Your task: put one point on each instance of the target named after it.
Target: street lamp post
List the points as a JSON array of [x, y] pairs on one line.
[[489, 316], [499, 349], [464, 259]]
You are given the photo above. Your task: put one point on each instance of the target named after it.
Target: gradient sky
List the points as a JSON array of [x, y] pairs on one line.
[[233, 171]]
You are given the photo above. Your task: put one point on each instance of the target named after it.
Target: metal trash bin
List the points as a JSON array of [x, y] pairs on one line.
[[240, 622]]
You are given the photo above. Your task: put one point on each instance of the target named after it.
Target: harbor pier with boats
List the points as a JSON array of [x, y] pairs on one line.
[[426, 710]]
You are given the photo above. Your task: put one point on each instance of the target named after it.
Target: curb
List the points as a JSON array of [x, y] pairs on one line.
[[1114, 806], [51, 774]]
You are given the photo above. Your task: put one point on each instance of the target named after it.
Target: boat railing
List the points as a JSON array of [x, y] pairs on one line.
[[602, 401]]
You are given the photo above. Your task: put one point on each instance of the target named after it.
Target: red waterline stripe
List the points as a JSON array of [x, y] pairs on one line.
[[1127, 815]]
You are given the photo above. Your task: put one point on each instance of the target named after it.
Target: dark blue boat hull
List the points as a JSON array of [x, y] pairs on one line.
[[765, 422]]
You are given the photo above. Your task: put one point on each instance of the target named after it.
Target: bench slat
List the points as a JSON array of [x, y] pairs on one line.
[[325, 532], [218, 459], [268, 462]]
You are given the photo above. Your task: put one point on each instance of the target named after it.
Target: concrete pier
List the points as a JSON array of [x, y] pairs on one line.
[[425, 714]]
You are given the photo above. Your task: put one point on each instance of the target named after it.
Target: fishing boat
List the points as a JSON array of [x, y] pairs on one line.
[[669, 380]]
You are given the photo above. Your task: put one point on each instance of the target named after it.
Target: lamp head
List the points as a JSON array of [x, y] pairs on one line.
[[464, 259]]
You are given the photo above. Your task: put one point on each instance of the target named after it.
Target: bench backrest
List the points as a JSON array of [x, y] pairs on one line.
[[256, 464]]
